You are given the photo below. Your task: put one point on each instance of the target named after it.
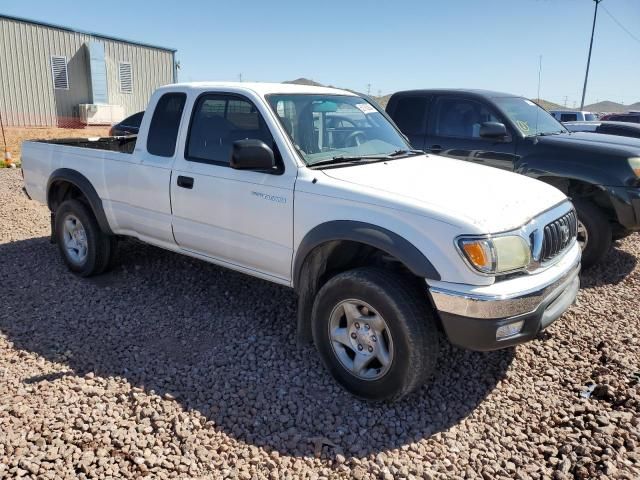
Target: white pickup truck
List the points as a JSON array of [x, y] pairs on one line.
[[388, 249]]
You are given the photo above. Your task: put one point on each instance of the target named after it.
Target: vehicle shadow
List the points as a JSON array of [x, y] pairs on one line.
[[220, 343], [603, 274]]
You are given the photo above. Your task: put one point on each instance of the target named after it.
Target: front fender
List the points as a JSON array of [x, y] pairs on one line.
[[368, 234]]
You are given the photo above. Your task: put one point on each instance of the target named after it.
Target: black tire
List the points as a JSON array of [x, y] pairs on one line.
[[100, 246], [411, 324], [598, 230]]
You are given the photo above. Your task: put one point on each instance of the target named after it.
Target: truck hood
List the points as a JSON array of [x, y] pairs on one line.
[[491, 199], [593, 142]]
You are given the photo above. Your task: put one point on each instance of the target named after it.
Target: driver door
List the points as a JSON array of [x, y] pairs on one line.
[[239, 218], [454, 131]]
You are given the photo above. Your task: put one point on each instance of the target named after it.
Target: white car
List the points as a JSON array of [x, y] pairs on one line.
[[387, 248], [573, 116]]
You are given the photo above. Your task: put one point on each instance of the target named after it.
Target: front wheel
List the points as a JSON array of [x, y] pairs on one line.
[[375, 332], [594, 232]]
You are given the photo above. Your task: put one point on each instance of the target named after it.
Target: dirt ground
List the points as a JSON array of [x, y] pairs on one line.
[[16, 135], [168, 367]]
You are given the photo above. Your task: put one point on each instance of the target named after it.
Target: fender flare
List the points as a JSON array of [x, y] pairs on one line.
[[84, 185], [369, 234]]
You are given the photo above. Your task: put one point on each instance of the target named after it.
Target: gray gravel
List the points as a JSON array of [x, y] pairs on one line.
[[170, 367]]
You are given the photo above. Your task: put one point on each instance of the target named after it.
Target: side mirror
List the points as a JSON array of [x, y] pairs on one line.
[[495, 130], [252, 155]]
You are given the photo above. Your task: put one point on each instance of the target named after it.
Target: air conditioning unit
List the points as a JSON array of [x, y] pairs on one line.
[[99, 114]]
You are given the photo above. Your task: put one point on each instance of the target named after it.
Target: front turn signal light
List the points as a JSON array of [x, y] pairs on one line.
[[496, 255], [479, 253]]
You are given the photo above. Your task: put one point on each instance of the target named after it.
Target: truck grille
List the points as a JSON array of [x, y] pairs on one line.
[[558, 235]]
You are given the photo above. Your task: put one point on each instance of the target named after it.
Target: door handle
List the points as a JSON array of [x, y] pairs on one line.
[[185, 182], [435, 148]]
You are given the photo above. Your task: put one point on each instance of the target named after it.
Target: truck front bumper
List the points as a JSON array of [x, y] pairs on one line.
[[626, 202], [504, 314]]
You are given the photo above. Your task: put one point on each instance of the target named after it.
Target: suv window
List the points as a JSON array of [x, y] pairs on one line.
[[409, 114], [218, 121], [568, 117], [461, 118], [163, 131]]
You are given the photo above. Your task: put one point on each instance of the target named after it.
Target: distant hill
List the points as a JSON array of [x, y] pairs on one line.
[[547, 105], [606, 106], [305, 81], [382, 101]]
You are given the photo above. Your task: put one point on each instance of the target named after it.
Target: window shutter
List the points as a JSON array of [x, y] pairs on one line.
[[126, 78], [59, 72]]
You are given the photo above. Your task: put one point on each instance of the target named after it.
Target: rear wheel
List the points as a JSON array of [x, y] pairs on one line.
[[594, 232], [375, 333], [85, 249]]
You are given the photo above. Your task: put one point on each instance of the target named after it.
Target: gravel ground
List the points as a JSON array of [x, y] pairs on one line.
[[170, 367]]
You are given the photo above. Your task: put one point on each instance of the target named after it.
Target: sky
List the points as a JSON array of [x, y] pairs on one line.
[[379, 46]]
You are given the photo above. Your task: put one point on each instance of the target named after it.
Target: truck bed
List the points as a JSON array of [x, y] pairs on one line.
[[112, 144]]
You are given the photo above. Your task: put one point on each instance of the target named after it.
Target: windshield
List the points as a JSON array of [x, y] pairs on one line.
[[323, 127], [528, 117], [589, 117]]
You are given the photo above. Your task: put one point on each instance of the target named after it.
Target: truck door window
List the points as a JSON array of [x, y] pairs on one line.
[[568, 117], [217, 122], [163, 131], [409, 115], [460, 118]]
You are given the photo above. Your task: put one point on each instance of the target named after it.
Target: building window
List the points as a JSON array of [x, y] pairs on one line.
[[126, 77], [59, 73]]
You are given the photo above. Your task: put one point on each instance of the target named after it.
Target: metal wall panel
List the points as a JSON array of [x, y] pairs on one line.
[[150, 69], [27, 94], [98, 72]]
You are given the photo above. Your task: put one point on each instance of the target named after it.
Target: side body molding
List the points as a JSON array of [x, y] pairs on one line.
[[84, 185], [369, 234]]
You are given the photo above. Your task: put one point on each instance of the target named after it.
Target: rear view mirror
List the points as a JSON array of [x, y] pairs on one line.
[[495, 130], [324, 106], [252, 155]]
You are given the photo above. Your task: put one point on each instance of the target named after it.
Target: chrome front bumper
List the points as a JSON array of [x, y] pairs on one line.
[[499, 306], [478, 320]]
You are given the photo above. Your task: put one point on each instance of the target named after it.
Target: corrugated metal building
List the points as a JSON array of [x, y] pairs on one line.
[[48, 71]]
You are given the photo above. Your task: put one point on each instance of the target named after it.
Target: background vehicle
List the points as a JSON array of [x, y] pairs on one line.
[[128, 126], [633, 117], [624, 129], [384, 246], [601, 174], [573, 116]]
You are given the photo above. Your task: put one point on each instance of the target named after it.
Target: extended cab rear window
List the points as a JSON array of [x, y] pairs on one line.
[[163, 131]]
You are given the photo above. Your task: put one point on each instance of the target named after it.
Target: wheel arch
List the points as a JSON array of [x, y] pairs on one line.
[[67, 183], [342, 244], [576, 188]]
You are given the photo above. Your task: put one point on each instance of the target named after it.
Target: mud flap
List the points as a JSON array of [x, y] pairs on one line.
[[52, 239]]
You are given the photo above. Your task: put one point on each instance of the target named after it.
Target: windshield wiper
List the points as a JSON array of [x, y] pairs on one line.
[[403, 153], [545, 134], [341, 159], [346, 159]]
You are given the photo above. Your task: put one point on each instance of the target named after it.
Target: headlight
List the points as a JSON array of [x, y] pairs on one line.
[[496, 255], [634, 163]]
